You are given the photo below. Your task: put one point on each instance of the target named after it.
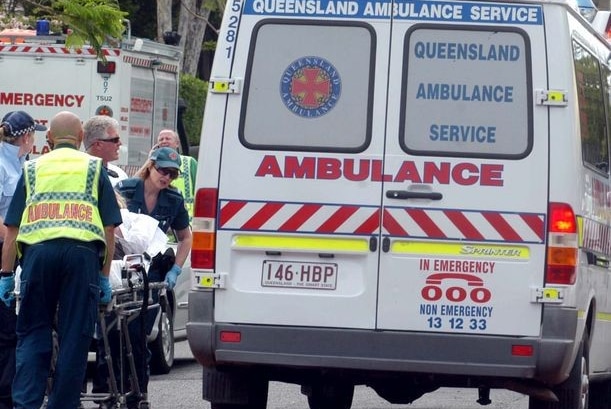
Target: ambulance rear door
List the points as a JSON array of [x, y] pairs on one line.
[[301, 164], [465, 170]]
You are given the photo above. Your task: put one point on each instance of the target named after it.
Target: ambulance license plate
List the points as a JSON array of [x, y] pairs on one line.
[[295, 274]]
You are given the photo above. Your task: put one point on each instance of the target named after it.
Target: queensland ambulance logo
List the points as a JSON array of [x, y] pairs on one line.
[[310, 87]]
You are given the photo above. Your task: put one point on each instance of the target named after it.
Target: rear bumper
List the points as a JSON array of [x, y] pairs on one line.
[[394, 351]]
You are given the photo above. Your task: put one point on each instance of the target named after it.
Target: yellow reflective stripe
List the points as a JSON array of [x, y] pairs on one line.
[[603, 316], [460, 249], [300, 243], [580, 231]]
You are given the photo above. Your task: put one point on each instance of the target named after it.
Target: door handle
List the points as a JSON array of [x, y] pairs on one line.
[[404, 194]]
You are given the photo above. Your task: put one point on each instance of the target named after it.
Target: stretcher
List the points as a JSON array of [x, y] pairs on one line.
[[127, 304]]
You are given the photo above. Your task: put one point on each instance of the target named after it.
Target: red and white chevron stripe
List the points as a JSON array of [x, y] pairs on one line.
[[397, 222], [596, 236], [465, 225], [57, 50], [148, 63], [298, 217]]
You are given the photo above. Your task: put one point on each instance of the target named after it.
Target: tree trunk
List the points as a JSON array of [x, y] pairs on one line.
[[164, 18], [192, 27]]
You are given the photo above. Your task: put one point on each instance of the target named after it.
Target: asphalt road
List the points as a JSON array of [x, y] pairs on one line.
[[181, 389]]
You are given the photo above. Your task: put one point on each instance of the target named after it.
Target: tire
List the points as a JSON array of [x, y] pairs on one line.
[[162, 347], [331, 396], [600, 395], [573, 393]]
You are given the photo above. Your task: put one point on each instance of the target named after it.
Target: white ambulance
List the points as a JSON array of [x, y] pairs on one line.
[[405, 195], [138, 86]]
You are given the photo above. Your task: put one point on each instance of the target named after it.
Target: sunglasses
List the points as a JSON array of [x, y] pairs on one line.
[[111, 140], [171, 172]]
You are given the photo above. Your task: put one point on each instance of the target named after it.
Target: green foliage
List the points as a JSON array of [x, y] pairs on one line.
[[209, 45], [91, 21], [193, 91]]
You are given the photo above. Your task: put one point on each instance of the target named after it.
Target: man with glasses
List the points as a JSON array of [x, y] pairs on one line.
[[101, 139]]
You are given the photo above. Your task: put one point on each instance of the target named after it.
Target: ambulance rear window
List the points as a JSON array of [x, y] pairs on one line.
[[297, 74], [466, 92]]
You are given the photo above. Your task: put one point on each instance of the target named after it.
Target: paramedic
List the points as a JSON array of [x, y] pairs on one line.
[[150, 193], [185, 182], [61, 223], [16, 141], [103, 141]]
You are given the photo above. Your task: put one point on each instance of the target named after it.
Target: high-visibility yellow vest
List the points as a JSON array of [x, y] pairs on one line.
[[184, 186], [62, 198]]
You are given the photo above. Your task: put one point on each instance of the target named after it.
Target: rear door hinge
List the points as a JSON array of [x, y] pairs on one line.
[[549, 97], [225, 85], [209, 280], [547, 295]]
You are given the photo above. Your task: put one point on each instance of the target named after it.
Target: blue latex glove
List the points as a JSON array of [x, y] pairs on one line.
[[172, 275], [7, 286], [105, 290]]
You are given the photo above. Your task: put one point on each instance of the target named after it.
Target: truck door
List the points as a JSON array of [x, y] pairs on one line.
[[465, 190]]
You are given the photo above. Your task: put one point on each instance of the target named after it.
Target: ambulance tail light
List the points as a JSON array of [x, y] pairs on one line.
[[561, 245], [107, 67], [203, 251]]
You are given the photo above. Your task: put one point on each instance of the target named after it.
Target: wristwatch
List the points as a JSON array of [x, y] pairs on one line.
[[6, 273]]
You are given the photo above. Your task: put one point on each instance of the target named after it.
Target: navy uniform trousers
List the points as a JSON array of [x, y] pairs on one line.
[[8, 340], [58, 277]]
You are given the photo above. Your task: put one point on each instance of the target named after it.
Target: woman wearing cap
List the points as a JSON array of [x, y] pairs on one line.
[[150, 192], [16, 141]]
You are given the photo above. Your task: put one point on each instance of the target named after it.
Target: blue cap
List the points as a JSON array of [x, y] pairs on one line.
[[18, 123], [166, 158]]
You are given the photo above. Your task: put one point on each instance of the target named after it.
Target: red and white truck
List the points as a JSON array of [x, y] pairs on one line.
[[137, 85]]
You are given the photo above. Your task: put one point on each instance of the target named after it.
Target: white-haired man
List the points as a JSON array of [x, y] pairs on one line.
[[102, 140], [185, 182]]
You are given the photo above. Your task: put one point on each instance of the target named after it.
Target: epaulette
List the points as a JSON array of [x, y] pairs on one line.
[[174, 194], [127, 187]]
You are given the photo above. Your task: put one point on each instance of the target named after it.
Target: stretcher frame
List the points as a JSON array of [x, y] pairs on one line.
[[127, 304]]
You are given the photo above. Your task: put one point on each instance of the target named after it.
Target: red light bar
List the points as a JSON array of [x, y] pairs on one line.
[[108, 67]]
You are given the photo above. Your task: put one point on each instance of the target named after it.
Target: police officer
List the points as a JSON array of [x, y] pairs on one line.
[[61, 223], [185, 182], [150, 192], [17, 131]]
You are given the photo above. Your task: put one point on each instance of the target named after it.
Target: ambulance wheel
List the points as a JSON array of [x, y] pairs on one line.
[[162, 347], [573, 393], [329, 396], [600, 395]]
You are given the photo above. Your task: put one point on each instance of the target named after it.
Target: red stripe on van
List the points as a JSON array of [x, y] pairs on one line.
[[262, 216], [463, 224], [229, 210], [337, 219], [501, 226], [536, 223], [426, 224], [392, 226], [300, 217], [369, 226]]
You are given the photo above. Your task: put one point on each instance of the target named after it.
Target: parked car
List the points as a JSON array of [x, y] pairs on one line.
[[171, 325]]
